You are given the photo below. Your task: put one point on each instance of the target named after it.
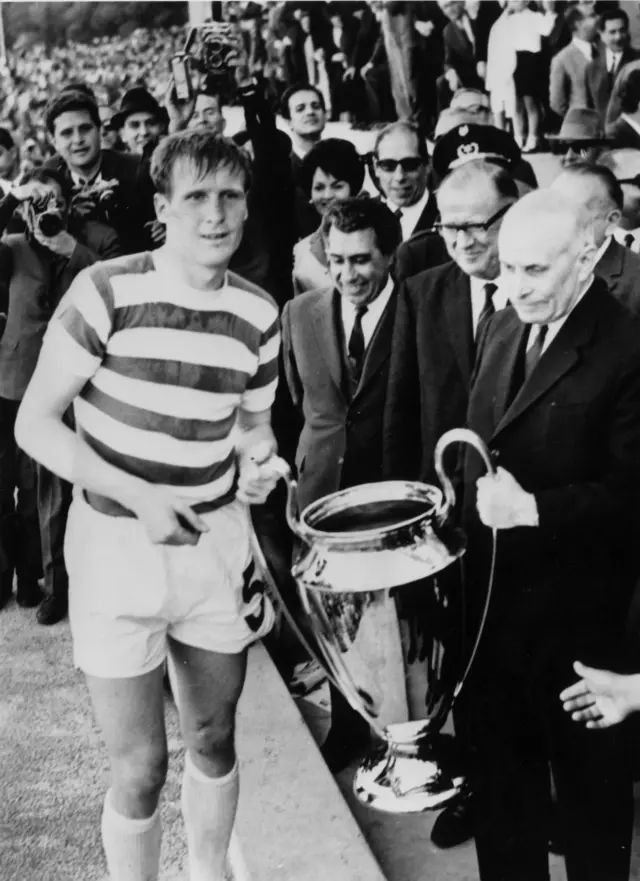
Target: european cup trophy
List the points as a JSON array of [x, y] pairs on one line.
[[387, 624]]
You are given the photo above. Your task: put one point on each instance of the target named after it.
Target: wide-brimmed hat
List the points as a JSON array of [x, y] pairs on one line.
[[473, 141], [581, 124], [138, 100]]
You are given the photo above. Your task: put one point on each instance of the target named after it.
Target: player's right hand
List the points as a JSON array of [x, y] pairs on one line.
[[168, 519]]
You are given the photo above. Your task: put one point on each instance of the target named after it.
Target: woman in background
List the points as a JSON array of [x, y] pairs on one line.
[[333, 169]]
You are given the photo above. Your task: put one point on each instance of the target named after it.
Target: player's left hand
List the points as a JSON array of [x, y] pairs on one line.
[[502, 503], [258, 475]]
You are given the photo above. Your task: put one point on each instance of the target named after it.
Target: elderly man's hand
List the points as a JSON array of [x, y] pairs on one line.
[[503, 504]]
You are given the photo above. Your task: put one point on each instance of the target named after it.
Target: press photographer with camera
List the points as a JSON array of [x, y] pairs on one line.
[[265, 255], [44, 261], [111, 188]]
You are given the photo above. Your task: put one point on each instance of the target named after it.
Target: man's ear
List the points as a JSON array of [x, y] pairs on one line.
[[161, 204], [614, 219]]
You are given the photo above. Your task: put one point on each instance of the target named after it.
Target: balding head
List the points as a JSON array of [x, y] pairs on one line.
[[625, 165], [597, 194], [547, 255]]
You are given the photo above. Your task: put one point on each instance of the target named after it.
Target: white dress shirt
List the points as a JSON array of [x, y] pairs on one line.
[[584, 46], [613, 60], [410, 215], [370, 318], [478, 298]]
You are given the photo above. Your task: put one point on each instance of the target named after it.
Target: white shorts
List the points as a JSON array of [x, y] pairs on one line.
[[126, 594]]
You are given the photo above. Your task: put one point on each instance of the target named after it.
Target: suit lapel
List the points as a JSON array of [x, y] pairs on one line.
[[379, 348], [325, 316], [556, 361], [457, 307]]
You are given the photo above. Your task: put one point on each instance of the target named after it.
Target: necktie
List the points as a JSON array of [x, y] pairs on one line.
[[398, 213], [535, 351], [356, 345], [488, 309], [629, 241]]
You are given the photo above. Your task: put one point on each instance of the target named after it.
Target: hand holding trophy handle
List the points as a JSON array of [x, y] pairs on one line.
[[457, 435]]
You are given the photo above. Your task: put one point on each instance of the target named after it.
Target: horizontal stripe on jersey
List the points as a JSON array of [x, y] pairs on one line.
[[167, 369]]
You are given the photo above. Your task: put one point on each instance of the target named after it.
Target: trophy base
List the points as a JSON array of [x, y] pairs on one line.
[[401, 777]]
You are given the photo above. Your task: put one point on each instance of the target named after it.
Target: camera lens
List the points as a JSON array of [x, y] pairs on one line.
[[50, 224]]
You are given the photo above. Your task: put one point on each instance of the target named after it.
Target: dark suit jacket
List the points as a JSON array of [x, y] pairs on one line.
[[428, 216], [598, 82], [424, 250], [430, 368], [623, 135], [620, 268], [341, 440], [571, 437], [132, 205], [459, 54]]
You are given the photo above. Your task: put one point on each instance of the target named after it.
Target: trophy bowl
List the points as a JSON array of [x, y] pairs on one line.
[[384, 604]]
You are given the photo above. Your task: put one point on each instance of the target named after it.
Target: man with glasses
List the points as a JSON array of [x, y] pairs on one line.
[[441, 314], [401, 172]]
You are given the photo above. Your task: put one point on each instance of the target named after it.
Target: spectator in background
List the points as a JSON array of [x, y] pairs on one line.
[[140, 121], [625, 131], [400, 169], [305, 110], [526, 29], [567, 86], [43, 267], [331, 170], [598, 194], [110, 187], [9, 157], [109, 137], [625, 164], [614, 53]]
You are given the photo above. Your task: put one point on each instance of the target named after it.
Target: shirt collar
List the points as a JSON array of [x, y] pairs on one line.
[[410, 214], [584, 46], [603, 247], [612, 57], [376, 307]]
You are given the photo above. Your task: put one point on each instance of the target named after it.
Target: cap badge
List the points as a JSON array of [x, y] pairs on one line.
[[467, 151]]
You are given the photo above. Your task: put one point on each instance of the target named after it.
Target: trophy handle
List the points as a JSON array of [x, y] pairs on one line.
[[465, 435], [457, 435]]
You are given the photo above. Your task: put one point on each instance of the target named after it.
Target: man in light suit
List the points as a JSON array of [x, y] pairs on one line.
[[597, 193], [616, 51], [567, 84], [556, 397], [335, 347], [441, 314]]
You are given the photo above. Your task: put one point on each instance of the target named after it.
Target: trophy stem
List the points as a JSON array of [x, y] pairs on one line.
[[415, 770]]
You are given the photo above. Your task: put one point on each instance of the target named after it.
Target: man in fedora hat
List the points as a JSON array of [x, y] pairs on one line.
[[581, 137], [140, 121]]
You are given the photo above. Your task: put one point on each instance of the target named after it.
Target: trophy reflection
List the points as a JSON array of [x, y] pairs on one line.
[[384, 604]]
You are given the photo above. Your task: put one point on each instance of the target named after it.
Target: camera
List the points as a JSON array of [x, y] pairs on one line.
[[48, 220], [217, 41]]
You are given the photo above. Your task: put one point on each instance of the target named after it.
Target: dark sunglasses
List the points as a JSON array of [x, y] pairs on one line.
[[452, 229], [635, 181], [411, 163]]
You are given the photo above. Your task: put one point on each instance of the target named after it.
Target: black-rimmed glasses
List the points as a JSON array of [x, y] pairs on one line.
[[635, 181], [408, 165], [452, 229]]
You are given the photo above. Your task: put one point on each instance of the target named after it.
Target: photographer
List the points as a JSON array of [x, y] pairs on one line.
[[45, 260], [111, 188], [265, 255]]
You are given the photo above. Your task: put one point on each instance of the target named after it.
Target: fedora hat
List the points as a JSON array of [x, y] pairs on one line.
[[581, 124], [138, 100], [473, 141]]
